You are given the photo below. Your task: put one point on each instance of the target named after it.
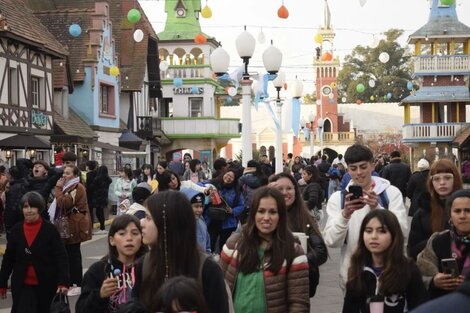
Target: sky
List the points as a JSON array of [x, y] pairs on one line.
[[354, 25]]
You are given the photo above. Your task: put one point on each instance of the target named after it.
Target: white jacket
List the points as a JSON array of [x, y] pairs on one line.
[[344, 233]]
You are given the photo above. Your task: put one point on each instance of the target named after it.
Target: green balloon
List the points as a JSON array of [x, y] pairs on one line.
[[447, 2], [360, 88], [133, 16]]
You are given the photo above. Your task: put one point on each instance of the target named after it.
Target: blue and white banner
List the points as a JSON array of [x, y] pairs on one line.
[[295, 116]]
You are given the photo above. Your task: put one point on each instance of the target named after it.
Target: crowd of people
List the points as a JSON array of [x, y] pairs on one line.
[[192, 237]]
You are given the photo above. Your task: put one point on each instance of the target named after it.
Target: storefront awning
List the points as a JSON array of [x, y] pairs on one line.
[[23, 141]]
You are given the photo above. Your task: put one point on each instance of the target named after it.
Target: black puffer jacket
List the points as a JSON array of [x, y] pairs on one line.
[[99, 189], [13, 213], [421, 230], [416, 187], [398, 174]]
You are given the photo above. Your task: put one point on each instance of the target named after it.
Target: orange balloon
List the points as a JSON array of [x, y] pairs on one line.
[[200, 39], [283, 12], [358, 101], [327, 56], [285, 86]]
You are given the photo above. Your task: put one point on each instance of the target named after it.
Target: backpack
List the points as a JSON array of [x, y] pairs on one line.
[[383, 199]]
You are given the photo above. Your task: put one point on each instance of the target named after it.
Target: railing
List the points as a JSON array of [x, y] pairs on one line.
[[445, 64], [431, 132], [329, 138], [204, 127], [183, 71]]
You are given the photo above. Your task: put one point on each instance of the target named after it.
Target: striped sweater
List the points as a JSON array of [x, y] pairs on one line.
[[286, 291]]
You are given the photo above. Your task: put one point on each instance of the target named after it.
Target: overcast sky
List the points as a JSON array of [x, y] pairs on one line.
[[354, 25]]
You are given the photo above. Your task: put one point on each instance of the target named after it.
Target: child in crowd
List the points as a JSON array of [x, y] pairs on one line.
[[197, 200], [380, 274], [108, 283], [139, 194]]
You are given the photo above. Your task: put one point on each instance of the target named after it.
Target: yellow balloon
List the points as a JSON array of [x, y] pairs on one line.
[[318, 38], [114, 70], [206, 12], [333, 85], [372, 98]]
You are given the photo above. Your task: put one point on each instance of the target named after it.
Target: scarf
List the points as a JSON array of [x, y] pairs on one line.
[[53, 207], [460, 247]]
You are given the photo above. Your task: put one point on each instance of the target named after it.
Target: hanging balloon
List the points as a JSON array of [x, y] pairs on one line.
[[194, 90], [133, 16], [229, 100], [178, 82], [385, 98], [283, 12], [327, 56], [75, 30], [163, 65], [232, 91], [409, 85], [114, 70], [360, 88], [331, 96], [384, 57], [331, 100], [371, 83], [447, 2], [261, 37], [138, 35], [318, 38], [358, 101], [343, 99], [333, 85], [206, 12], [375, 42], [285, 86], [200, 39], [389, 95], [372, 98]]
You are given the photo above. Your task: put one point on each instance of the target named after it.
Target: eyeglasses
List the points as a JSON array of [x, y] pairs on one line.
[[442, 177]]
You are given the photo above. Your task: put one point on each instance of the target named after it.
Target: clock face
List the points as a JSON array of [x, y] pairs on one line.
[[326, 90], [180, 12]]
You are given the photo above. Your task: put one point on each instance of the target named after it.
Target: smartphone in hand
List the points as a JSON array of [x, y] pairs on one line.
[[449, 266], [356, 191]]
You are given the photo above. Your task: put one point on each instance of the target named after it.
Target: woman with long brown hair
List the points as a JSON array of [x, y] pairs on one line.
[[300, 220], [444, 178], [380, 274]]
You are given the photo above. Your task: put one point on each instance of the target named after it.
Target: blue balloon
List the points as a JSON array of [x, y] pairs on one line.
[[75, 30], [194, 89], [117, 272], [229, 100], [177, 82], [389, 95], [331, 100], [409, 85]]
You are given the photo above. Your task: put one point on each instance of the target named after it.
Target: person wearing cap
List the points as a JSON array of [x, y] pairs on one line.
[[35, 258], [139, 194], [417, 185], [197, 200]]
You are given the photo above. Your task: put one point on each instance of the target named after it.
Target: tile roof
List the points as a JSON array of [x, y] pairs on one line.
[[73, 126], [58, 23], [463, 137], [18, 21], [439, 94], [132, 55]]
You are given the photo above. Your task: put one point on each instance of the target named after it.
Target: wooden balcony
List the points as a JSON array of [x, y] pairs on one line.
[[431, 132], [445, 64], [187, 127]]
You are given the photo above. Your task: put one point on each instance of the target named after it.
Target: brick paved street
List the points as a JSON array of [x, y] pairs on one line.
[[329, 297]]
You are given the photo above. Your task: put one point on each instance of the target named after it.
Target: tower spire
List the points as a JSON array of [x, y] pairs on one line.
[[327, 16]]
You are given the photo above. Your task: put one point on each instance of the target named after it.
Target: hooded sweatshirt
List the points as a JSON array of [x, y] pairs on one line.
[[343, 233]]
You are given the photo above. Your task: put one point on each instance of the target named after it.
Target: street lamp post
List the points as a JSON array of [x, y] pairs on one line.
[[312, 133], [220, 60], [320, 123], [278, 84]]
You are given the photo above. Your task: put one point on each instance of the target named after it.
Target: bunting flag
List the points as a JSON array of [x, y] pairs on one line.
[[295, 116], [237, 75], [306, 133], [273, 115]]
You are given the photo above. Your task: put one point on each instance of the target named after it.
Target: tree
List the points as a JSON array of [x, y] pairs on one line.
[[390, 78], [309, 98]]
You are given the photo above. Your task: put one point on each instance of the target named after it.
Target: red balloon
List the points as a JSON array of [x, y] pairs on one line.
[[283, 12], [200, 39], [358, 101]]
